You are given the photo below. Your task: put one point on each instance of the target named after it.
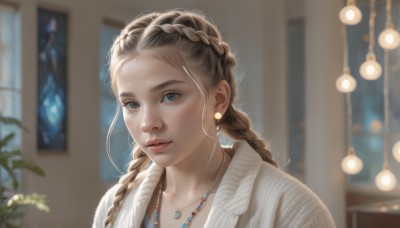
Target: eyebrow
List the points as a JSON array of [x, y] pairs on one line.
[[155, 88]]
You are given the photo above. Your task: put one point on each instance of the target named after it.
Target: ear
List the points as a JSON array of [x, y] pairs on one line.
[[222, 97]]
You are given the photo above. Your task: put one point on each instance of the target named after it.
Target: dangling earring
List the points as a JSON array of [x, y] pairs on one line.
[[217, 117]]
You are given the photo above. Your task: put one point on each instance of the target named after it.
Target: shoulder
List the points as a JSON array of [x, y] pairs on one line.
[[102, 208], [289, 201]]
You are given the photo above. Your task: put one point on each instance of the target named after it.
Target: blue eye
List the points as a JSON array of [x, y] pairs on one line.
[[131, 105], [170, 97]]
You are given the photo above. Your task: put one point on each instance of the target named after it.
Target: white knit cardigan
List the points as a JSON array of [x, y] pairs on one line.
[[252, 193]]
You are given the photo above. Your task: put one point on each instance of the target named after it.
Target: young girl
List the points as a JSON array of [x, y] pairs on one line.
[[172, 74]]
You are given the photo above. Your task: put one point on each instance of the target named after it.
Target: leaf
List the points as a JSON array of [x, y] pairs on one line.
[[4, 141], [18, 164], [12, 121], [32, 199], [8, 155], [10, 172], [9, 225]]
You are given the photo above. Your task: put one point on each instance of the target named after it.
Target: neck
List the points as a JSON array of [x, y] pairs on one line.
[[194, 177]]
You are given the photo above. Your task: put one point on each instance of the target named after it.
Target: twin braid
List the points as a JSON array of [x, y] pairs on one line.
[[125, 182], [238, 126]]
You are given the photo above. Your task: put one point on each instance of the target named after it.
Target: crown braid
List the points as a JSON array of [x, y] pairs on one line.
[[135, 166]]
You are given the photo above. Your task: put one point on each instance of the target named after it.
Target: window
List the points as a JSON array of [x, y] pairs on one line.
[[119, 145], [10, 74], [368, 101], [296, 97]]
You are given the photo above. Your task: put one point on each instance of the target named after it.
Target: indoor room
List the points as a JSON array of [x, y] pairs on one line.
[[318, 80]]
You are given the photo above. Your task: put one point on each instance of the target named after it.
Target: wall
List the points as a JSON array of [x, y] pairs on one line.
[[256, 31], [72, 180]]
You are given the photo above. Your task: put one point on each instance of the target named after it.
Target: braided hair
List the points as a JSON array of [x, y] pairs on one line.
[[200, 41]]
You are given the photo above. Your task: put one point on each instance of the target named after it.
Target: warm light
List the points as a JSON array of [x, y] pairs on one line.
[[350, 15], [389, 39], [385, 180], [376, 126], [370, 70], [351, 164], [396, 151], [217, 115], [346, 83]]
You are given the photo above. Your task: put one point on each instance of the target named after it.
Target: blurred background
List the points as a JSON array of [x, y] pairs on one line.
[[290, 54]]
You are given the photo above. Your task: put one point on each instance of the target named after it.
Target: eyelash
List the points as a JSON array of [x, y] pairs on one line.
[[126, 105], [176, 96]]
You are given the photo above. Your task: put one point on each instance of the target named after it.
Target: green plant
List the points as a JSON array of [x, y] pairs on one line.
[[10, 162]]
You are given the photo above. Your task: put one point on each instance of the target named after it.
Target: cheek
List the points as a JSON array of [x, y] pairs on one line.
[[132, 125], [190, 116]]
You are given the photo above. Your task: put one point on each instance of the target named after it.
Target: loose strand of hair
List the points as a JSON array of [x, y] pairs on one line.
[[108, 138]]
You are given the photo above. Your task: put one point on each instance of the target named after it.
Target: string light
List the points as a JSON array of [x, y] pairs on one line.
[[389, 38], [396, 151], [385, 180], [351, 164], [371, 69], [346, 82], [350, 14]]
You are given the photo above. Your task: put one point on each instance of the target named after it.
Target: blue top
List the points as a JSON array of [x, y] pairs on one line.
[[146, 223]]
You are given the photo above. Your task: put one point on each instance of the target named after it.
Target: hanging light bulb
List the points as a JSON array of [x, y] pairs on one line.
[[389, 38], [352, 164], [346, 83], [350, 14], [396, 151], [385, 180], [370, 69]]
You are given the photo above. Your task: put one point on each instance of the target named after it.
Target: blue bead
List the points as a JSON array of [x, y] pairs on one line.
[[155, 216], [184, 225]]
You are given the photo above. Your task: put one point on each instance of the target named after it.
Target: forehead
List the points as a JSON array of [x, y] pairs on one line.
[[148, 69], [145, 66]]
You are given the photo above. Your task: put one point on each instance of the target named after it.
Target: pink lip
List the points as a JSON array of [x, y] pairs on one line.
[[157, 146]]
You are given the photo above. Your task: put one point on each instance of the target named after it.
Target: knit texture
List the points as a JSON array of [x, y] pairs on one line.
[[252, 193]]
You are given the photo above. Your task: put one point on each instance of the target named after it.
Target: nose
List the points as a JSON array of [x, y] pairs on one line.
[[150, 122]]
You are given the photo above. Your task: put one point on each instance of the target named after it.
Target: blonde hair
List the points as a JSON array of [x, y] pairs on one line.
[[200, 41]]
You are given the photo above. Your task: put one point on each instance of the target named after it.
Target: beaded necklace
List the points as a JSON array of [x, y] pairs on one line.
[[203, 200], [178, 212]]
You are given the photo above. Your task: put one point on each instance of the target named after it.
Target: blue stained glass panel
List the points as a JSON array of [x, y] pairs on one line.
[[52, 81]]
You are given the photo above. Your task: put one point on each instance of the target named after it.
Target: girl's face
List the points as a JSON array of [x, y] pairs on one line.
[[162, 109]]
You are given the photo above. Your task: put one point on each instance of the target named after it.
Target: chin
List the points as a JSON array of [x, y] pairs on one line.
[[162, 162]]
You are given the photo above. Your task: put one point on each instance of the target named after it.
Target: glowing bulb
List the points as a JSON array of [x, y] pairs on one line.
[[389, 39], [350, 15], [351, 164], [396, 151], [385, 180], [346, 83], [370, 70]]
